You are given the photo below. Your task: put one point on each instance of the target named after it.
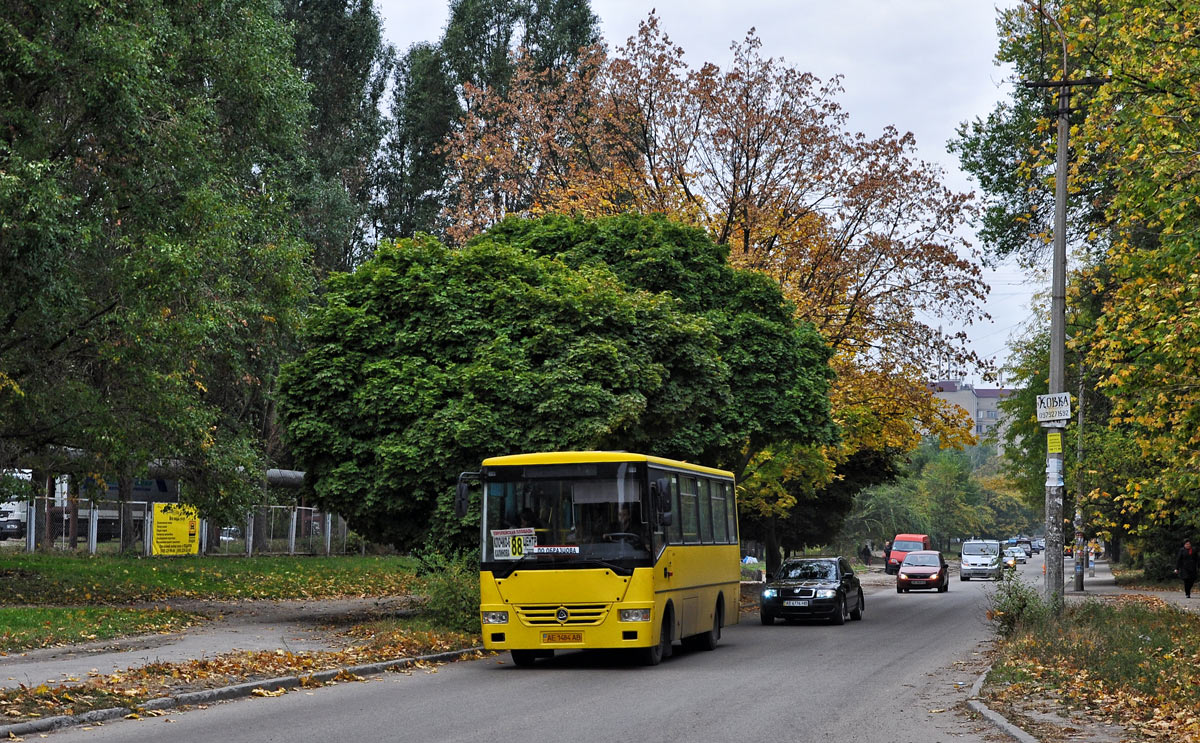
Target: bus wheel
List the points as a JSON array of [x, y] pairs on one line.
[[524, 658], [652, 656]]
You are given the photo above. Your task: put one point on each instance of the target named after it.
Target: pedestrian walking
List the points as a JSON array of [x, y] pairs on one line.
[[1185, 567], [887, 552], [865, 554]]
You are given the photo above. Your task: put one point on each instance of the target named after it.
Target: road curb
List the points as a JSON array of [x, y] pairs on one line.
[[992, 716], [236, 691]]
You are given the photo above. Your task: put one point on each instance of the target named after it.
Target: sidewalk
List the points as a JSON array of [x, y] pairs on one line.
[[293, 626], [1105, 584]]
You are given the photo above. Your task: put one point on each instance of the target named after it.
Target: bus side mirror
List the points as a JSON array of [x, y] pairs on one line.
[[462, 496], [664, 518]]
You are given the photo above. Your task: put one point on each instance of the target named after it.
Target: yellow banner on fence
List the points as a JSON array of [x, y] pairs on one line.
[[176, 530]]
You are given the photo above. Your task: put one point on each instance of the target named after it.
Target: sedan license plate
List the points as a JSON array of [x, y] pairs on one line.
[[555, 637], [919, 582], [796, 602]]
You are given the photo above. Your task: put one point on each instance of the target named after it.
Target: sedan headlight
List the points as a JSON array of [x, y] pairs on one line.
[[635, 615], [826, 593], [495, 617], [769, 593], [904, 576]]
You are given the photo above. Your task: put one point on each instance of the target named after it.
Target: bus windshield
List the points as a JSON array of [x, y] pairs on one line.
[[585, 515]]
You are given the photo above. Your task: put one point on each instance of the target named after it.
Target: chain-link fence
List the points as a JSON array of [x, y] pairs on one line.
[[283, 530]]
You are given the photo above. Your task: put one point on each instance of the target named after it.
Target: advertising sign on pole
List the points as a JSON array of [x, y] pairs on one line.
[[1054, 410]]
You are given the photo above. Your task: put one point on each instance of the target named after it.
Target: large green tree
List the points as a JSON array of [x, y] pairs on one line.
[[150, 263], [537, 336]]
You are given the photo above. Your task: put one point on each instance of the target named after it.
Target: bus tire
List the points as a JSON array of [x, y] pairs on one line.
[[654, 655], [523, 658]]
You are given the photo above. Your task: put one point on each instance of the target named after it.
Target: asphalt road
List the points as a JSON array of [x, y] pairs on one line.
[[895, 676]]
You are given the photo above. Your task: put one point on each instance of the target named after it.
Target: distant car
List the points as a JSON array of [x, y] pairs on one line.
[[1017, 554], [923, 569], [980, 559], [813, 588]]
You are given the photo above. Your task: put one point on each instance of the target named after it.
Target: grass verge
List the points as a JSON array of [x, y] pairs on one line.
[[1129, 661], [22, 628], [73, 580]]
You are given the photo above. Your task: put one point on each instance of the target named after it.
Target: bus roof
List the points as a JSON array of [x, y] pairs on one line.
[[581, 457]]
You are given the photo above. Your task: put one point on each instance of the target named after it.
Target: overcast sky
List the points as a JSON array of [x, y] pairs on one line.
[[922, 66]]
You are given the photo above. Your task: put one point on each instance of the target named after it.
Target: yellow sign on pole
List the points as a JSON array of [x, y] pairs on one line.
[[176, 530], [1054, 442]]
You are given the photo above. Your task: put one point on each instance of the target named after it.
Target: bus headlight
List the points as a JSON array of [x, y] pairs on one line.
[[635, 615], [495, 617], [826, 593]]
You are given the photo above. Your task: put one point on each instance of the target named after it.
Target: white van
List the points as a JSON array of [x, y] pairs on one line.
[[981, 559]]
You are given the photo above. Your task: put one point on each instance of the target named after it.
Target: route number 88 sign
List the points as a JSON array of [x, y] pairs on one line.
[[512, 544]]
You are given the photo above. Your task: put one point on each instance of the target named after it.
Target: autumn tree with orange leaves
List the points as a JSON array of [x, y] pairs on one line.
[[859, 233]]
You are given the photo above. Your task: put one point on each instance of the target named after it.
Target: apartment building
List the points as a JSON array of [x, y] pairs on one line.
[[983, 403]]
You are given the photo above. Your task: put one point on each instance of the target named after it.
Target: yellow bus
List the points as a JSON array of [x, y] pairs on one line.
[[604, 550]]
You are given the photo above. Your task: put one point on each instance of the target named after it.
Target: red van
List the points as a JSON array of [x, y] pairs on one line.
[[901, 546]]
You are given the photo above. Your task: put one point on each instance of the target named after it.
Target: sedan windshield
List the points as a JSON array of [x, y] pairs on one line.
[[809, 570], [923, 560], [585, 514]]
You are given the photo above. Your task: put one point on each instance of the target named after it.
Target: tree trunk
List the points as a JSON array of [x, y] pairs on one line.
[[129, 531], [47, 527], [73, 514], [771, 546]]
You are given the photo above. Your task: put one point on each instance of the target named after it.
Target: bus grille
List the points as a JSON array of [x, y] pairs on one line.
[[577, 614]]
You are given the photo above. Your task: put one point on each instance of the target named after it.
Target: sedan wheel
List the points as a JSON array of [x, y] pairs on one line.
[[856, 613], [839, 617], [766, 617]]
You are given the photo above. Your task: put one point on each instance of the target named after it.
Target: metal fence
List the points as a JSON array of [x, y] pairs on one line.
[[103, 526]]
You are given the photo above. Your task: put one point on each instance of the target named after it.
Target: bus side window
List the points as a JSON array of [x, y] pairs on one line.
[[706, 524], [720, 527], [675, 530], [730, 512]]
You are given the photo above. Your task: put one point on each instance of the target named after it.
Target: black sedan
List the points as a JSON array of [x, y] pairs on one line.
[[813, 588]]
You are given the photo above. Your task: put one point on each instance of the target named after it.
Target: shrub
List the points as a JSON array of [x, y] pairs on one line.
[[1015, 605], [1158, 566], [451, 584]]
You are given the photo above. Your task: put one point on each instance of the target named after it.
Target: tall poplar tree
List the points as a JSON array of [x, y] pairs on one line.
[[433, 85], [340, 52]]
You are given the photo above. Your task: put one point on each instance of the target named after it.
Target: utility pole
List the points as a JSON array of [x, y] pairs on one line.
[[1058, 321]]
